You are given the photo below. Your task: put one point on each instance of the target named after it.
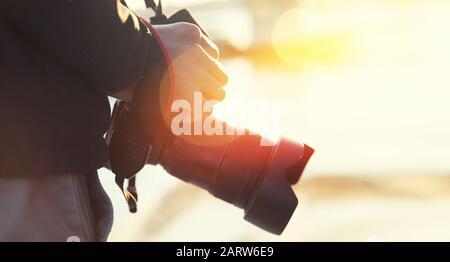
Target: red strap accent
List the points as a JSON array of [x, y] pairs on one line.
[[166, 55]]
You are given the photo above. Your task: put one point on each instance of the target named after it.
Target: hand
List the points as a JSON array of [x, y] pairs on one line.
[[194, 60]]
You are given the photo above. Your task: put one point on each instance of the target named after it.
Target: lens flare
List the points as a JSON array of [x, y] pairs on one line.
[[301, 41]]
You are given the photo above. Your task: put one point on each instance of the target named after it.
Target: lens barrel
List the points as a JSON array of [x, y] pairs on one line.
[[239, 169], [243, 172]]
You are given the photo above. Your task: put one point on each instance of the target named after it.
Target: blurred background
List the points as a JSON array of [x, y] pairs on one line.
[[364, 82]]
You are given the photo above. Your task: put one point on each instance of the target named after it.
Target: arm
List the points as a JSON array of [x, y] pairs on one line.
[[101, 39], [108, 45]]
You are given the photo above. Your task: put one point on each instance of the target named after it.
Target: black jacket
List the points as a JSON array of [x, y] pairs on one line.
[[57, 59]]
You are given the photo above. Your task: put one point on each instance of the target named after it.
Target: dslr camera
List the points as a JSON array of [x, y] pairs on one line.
[[238, 169]]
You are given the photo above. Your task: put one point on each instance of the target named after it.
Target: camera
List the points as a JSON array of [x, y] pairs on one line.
[[238, 169]]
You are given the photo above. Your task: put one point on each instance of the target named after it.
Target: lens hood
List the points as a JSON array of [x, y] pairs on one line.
[[273, 201]]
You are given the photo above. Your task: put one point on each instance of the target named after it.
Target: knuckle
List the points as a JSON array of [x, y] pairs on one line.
[[198, 52], [216, 51], [192, 30], [213, 49], [226, 79]]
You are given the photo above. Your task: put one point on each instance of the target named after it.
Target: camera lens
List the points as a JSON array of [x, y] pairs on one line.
[[239, 169], [243, 172]]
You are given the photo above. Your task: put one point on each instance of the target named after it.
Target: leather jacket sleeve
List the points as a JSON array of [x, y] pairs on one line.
[[101, 39]]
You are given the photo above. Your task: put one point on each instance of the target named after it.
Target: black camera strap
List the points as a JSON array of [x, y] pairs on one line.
[[130, 152], [129, 192], [125, 181]]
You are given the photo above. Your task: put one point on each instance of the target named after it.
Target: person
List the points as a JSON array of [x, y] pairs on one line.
[[59, 62]]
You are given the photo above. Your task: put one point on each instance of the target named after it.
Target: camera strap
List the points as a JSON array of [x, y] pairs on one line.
[[137, 151], [129, 192], [128, 151]]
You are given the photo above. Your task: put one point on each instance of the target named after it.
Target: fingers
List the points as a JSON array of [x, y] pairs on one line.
[[218, 71], [195, 59], [211, 88], [195, 34], [207, 52], [201, 81], [209, 46], [213, 66]]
